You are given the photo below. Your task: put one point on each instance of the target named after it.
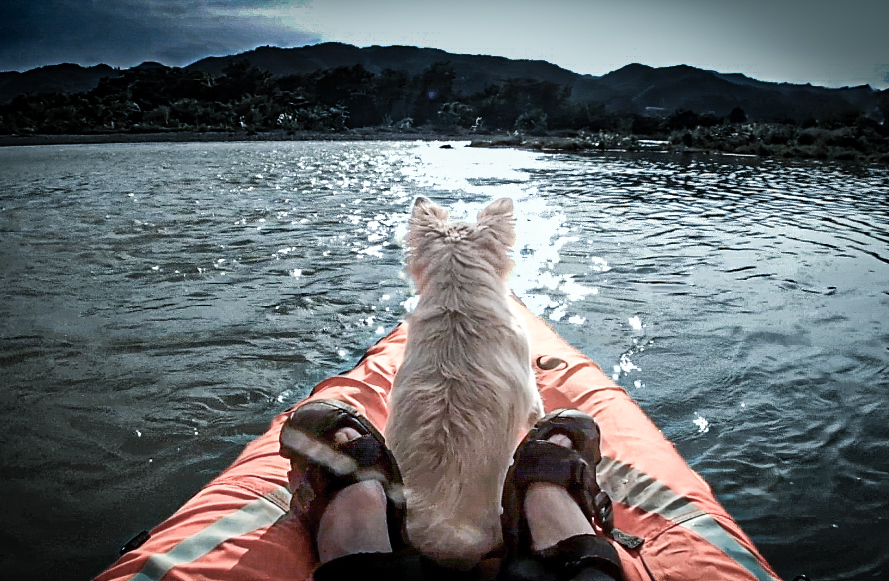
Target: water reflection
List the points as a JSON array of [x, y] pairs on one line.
[[161, 302]]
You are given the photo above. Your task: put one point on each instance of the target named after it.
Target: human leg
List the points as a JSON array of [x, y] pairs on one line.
[[347, 491], [550, 501]]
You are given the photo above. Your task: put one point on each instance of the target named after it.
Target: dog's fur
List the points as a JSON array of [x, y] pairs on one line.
[[465, 394]]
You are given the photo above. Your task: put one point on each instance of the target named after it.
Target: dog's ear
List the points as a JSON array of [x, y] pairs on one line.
[[501, 207], [427, 219], [498, 219], [426, 225], [426, 211]]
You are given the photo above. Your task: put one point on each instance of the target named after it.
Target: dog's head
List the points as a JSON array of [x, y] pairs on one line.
[[433, 240]]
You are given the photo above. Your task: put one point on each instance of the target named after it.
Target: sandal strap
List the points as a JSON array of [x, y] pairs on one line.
[[366, 450], [584, 435], [543, 461], [573, 469], [326, 467]]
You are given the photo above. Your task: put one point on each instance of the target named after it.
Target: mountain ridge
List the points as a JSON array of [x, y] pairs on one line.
[[635, 88], [473, 71]]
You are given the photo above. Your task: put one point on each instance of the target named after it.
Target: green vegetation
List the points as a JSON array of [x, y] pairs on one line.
[[352, 100], [851, 139], [246, 98], [860, 139]]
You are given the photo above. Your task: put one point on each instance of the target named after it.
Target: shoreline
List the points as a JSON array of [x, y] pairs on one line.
[[224, 136], [616, 143], [552, 144]]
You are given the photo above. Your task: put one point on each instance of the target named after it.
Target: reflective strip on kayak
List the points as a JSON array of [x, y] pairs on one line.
[[638, 490], [261, 513]]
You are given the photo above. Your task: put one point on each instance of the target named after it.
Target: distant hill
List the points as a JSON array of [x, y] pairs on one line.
[[635, 88], [64, 78], [474, 72]]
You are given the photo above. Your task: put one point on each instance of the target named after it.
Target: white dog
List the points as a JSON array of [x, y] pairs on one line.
[[465, 394]]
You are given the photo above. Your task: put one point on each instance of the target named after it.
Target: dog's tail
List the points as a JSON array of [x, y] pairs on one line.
[[457, 537], [453, 453], [453, 506]]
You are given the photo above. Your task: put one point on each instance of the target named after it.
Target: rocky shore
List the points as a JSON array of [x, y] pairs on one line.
[[754, 140]]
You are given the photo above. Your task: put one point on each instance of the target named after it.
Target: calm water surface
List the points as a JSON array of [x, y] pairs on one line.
[[161, 302]]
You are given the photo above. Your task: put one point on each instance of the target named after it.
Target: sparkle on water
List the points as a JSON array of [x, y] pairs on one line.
[[161, 302]]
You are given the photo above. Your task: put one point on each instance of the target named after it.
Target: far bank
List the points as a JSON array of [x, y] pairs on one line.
[[762, 140]]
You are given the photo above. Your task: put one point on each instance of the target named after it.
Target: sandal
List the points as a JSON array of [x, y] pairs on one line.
[[574, 469], [320, 467]]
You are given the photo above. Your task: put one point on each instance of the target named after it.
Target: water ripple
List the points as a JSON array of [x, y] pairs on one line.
[[162, 301]]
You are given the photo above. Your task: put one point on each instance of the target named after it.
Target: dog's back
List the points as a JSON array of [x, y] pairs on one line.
[[465, 391]]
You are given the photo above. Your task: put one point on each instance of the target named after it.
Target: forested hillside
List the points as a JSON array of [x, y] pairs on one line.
[[339, 88]]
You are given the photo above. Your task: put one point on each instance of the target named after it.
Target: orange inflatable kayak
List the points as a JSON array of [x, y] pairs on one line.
[[237, 528]]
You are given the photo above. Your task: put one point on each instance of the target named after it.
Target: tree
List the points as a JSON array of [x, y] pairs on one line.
[[737, 115], [391, 92], [335, 86], [643, 125], [456, 114], [682, 119], [533, 122], [430, 90], [240, 78]]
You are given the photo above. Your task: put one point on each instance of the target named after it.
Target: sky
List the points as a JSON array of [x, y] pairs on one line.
[[826, 43]]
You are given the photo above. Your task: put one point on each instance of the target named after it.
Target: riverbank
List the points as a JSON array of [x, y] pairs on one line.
[[223, 136], [754, 140]]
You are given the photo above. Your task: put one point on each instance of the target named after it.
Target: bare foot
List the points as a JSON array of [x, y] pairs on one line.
[[346, 435], [355, 519], [552, 514]]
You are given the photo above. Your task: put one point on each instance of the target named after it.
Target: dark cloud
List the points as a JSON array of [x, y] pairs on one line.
[[127, 32], [817, 41]]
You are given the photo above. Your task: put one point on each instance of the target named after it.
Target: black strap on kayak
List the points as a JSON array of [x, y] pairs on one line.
[[135, 542], [551, 363]]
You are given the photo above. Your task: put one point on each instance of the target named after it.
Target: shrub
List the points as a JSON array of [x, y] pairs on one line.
[[778, 135], [737, 115], [807, 138], [533, 122], [456, 114]]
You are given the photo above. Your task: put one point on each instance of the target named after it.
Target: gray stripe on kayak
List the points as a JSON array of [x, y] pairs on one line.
[[708, 529], [256, 515], [635, 489]]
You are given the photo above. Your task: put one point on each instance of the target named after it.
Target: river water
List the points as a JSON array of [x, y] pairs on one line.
[[161, 302]]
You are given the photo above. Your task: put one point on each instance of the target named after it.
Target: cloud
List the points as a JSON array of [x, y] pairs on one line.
[[257, 3], [800, 41], [127, 32]]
